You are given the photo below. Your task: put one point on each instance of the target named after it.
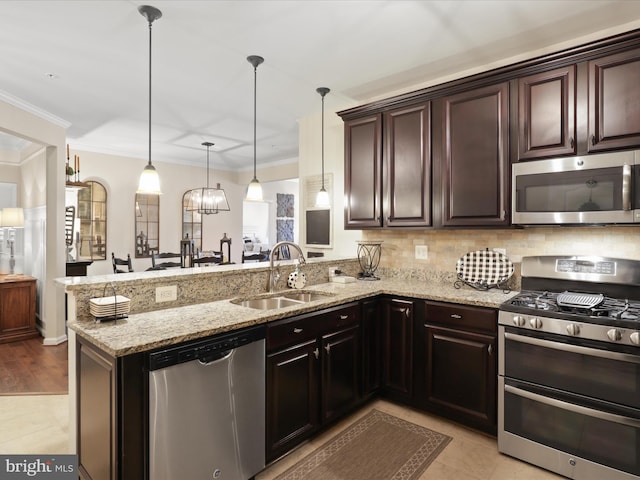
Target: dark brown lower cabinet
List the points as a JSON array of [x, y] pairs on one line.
[[460, 364], [112, 415], [372, 329], [292, 396], [398, 349], [340, 372], [314, 374]]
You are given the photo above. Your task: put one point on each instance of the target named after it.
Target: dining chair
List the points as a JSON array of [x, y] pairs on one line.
[[208, 260], [121, 261], [255, 256], [165, 260]]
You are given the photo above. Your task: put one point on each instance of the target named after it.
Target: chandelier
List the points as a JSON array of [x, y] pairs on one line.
[[207, 200]]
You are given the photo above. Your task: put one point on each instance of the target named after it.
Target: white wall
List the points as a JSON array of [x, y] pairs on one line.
[[311, 165], [44, 130]]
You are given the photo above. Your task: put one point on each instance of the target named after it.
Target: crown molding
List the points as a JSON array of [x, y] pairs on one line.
[[32, 109]]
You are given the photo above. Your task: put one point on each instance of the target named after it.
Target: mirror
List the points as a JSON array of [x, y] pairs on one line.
[[191, 224], [92, 216], [147, 225]]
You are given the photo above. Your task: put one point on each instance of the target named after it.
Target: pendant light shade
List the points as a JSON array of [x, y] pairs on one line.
[[322, 197], [149, 179], [254, 190], [207, 200]]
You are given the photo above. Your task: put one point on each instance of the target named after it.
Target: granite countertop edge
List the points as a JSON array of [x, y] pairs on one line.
[[151, 330]]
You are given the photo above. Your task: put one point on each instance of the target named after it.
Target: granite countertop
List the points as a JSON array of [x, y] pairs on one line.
[[150, 330]]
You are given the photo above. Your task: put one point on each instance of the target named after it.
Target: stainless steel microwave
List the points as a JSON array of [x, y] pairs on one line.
[[590, 189]]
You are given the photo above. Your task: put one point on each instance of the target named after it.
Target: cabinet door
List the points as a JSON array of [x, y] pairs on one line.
[[340, 372], [292, 397], [398, 354], [363, 170], [372, 330], [546, 114], [407, 167], [461, 375], [614, 101], [17, 310], [97, 414], [475, 157]]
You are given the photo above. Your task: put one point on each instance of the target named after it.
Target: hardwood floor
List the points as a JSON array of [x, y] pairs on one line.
[[28, 368]]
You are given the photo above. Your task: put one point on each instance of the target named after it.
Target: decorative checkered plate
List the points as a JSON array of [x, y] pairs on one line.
[[484, 269]]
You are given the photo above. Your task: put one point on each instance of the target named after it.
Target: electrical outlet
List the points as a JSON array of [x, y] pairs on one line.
[[503, 251], [422, 252], [166, 294], [332, 271]]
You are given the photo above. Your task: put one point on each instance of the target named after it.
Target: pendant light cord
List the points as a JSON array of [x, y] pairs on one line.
[[207, 145], [322, 142], [150, 23], [322, 91], [255, 101]]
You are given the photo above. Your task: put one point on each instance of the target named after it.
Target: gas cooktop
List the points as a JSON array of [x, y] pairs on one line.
[[600, 309]]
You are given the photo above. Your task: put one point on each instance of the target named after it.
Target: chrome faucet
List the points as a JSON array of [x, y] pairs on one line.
[[274, 272]]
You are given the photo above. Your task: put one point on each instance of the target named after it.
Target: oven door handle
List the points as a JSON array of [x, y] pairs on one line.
[[566, 347], [590, 412]]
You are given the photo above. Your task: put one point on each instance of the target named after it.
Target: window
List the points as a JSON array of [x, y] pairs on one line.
[[92, 213], [147, 224], [191, 224]]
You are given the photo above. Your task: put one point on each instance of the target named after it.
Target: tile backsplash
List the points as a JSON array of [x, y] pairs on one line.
[[445, 247]]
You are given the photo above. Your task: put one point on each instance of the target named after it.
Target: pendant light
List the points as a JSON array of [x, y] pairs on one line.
[[149, 180], [322, 198], [207, 200], [254, 190]]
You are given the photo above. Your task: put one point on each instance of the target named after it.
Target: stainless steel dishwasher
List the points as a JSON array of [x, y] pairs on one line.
[[207, 408]]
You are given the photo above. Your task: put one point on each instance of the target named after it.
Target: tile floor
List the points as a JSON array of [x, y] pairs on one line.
[[469, 456], [34, 424], [38, 424]]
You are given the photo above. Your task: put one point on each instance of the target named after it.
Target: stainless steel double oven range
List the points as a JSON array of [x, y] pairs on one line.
[[569, 368]]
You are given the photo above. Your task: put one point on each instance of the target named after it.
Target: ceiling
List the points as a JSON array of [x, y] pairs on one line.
[[87, 62]]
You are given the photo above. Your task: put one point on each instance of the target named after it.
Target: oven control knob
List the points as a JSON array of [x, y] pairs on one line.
[[535, 322], [614, 335], [519, 321], [635, 338], [573, 329]]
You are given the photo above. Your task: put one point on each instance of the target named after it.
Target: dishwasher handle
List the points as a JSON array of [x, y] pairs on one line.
[[215, 357]]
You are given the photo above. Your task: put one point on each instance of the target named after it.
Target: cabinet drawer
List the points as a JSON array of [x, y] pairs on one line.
[[305, 327], [462, 316]]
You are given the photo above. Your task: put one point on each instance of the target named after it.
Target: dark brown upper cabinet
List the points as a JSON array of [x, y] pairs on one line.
[[390, 186], [546, 114], [363, 172], [614, 101], [474, 157], [407, 167]]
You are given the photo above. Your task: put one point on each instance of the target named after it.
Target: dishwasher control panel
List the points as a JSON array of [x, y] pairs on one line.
[[205, 350]]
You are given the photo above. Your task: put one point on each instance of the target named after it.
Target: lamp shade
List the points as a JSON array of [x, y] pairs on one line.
[[322, 199], [12, 217], [149, 181], [254, 191]]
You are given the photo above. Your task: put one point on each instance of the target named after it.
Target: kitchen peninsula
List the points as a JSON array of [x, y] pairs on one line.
[[116, 352]]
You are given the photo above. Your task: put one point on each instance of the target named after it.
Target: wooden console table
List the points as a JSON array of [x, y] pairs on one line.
[[17, 308]]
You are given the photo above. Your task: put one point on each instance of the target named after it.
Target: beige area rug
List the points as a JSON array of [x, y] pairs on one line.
[[379, 446]]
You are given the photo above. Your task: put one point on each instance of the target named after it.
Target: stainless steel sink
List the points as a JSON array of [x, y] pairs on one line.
[[305, 296], [267, 303], [279, 300]]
